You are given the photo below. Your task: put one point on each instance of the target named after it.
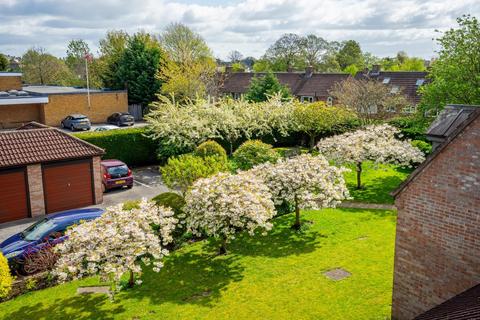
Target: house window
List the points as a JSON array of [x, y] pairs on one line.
[[386, 80], [373, 109], [410, 109], [306, 98], [329, 101], [236, 95], [419, 82], [391, 109], [395, 89]]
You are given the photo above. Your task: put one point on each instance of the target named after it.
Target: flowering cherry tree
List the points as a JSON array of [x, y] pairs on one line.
[[116, 243], [306, 181], [375, 143], [224, 204]]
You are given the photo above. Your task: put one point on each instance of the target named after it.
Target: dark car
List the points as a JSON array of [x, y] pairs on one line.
[[76, 122], [121, 119], [48, 231], [116, 174]]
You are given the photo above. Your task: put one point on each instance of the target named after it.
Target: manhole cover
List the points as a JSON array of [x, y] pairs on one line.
[[337, 274]]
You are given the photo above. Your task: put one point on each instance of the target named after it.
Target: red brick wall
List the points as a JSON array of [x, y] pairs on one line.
[[437, 252]]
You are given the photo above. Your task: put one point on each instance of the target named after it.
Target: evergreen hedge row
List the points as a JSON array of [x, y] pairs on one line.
[[128, 145]]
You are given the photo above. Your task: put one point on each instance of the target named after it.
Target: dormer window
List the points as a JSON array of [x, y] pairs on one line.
[[419, 82], [395, 89], [306, 99], [386, 80]]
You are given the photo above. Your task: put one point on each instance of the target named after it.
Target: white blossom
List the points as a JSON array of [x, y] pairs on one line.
[[116, 242], [376, 143], [224, 204], [307, 181]]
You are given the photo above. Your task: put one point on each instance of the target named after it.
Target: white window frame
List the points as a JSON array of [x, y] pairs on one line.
[[410, 109], [419, 82], [236, 95], [306, 99], [329, 101], [386, 80], [391, 109], [395, 89]]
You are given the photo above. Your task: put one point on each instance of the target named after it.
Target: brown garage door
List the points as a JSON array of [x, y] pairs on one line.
[[13, 195], [67, 185]]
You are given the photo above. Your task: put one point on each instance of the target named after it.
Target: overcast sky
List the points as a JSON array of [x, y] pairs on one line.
[[382, 27]]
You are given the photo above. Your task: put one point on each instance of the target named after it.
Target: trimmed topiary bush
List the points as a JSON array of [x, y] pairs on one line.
[[210, 148], [253, 152], [5, 277], [128, 145], [180, 172]]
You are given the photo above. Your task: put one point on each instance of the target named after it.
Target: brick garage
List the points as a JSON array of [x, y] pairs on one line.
[[44, 170], [437, 252]]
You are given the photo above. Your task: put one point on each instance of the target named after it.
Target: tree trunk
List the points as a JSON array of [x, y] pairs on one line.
[[296, 225], [359, 175], [131, 280], [223, 247], [311, 143]]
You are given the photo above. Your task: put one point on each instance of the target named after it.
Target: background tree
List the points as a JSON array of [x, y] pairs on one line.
[[305, 181], [315, 119], [350, 53], [235, 56], [285, 50], [112, 48], [313, 49], [225, 204], [373, 143], [75, 60], [263, 87], [190, 68], [3, 62], [455, 75], [40, 67], [370, 99], [138, 67]]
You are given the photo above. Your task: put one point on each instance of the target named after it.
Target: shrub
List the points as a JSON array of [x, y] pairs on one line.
[[210, 148], [5, 277], [128, 145], [413, 127], [131, 204], [253, 152], [38, 261], [425, 147], [171, 200], [180, 172]]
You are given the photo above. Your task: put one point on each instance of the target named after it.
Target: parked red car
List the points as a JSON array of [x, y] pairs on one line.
[[116, 174]]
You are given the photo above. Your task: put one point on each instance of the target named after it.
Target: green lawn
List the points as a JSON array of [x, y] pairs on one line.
[[278, 276], [378, 181]]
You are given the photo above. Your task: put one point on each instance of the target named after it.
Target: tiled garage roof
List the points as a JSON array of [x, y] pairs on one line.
[[21, 147]]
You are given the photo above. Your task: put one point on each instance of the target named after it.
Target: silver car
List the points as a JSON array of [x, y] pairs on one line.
[[76, 122]]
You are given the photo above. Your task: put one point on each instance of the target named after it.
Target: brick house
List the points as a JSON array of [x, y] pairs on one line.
[[437, 250], [44, 170], [50, 104]]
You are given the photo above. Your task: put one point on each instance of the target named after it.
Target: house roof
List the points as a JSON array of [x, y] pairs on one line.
[[406, 80], [449, 119], [465, 306], [449, 139], [22, 147], [32, 125], [317, 84]]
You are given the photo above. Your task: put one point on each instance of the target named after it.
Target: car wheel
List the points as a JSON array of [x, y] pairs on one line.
[[62, 125], [72, 128], [130, 186], [118, 123]]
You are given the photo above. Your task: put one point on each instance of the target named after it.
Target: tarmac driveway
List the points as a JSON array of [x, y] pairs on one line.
[[147, 184]]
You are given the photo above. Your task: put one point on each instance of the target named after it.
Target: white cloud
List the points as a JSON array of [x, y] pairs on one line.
[[250, 26]]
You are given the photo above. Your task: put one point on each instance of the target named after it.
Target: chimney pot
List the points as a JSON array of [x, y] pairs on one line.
[[308, 71]]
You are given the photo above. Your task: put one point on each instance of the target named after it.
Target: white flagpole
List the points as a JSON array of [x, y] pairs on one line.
[[88, 84]]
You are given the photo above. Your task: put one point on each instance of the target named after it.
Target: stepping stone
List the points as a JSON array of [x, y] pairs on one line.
[[99, 289], [337, 274]]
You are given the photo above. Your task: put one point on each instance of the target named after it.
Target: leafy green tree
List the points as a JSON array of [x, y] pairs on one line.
[[40, 67], [350, 53], [261, 88], [286, 50], [3, 62], [138, 68], [190, 70], [455, 76], [313, 49], [112, 48]]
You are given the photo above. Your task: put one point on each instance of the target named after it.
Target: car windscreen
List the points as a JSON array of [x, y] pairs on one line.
[[118, 171], [39, 230], [79, 118]]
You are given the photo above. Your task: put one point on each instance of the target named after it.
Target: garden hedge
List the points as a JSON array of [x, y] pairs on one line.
[[128, 145]]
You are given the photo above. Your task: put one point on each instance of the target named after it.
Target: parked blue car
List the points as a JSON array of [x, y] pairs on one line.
[[48, 231], [76, 122]]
